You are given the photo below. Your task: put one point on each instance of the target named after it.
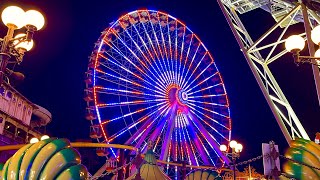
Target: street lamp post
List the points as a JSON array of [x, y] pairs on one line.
[[235, 153], [13, 47]]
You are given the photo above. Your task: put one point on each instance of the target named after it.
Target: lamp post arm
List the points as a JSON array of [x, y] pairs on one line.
[[7, 39]]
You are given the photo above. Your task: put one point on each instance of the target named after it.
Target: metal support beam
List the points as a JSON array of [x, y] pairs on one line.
[[279, 105]]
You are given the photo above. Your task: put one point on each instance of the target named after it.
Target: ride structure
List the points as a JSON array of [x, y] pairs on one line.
[[260, 53], [150, 78]]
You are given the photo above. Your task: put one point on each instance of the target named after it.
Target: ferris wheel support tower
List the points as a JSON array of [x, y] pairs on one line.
[[260, 53]]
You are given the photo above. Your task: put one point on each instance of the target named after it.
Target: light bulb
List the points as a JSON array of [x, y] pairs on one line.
[[233, 144], [223, 148], [239, 147], [24, 44], [34, 18], [13, 15], [34, 140], [294, 42], [44, 137], [315, 35]]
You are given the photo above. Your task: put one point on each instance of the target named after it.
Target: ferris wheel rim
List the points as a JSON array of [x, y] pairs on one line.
[[184, 97]]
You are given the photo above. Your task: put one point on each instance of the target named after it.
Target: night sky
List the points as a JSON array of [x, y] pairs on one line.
[[55, 67]]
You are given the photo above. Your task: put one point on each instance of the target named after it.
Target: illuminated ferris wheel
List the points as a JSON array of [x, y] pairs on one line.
[[152, 79]]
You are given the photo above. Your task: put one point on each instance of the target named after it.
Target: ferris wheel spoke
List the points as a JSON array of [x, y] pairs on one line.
[[156, 38], [106, 75], [194, 70], [125, 80], [193, 156], [144, 73], [146, 128], [186, 146], [207, 96], [131, 51], [207, 136], [115, 48], [169, 132], [170, 48], [150, 54], [138, 134], [206, 88], [211, 127], [120, 66], [191, 63], [196, 78], [201, 82], [134, 124], [134, 112], [145, 57], [185, 61], [207, 103], [194, 107], [155, 51], [140, 61], [199, 147], [166, 58], [130, 93], [163, 19], [157, 134]]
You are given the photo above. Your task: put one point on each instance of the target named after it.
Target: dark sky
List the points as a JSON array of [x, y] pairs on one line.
[[55, 67]]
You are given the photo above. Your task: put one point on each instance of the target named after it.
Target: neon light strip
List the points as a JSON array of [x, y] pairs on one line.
[[208, 103], [154, 49], [145, 45], [201, 132], [185, 62], [126, 129], [208, 137], [192, 131], [194, 70], [192, 149], [115, 48], [205, 149], [214, 129], [193, 107], [138, 47], [180, 140], [125, 80], [137, 134], [194, 55], [181, 55], [170, 48], [141, 94], [198, 76], [203, 89], [202, 81], [185, 141], [164, 47], [127, 70], [148, 128], [160, 136]]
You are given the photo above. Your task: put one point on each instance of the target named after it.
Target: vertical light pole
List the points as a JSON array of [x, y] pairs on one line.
[[13, 48], [236, 149]]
